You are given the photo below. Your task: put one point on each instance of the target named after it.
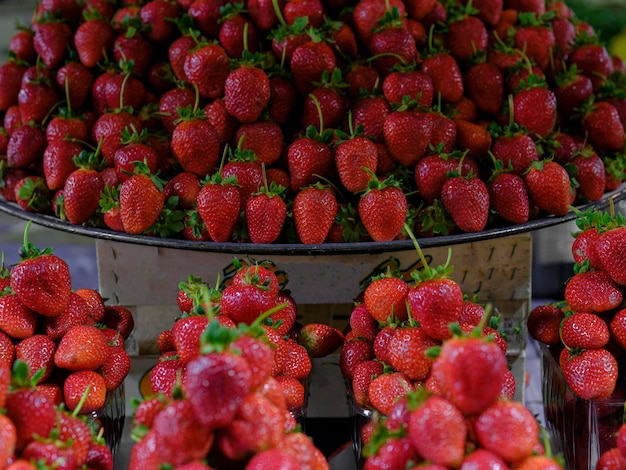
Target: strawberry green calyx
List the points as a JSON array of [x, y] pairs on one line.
[[141, 168], [30, 251], [20, 378], [217, 338], [377, 184], [170, 220], [427, 273]]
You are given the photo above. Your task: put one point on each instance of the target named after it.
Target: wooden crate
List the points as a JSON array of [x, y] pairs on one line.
[[145, 279]]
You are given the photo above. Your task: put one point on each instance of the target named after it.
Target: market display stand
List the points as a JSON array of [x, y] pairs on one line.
[[145, 280]]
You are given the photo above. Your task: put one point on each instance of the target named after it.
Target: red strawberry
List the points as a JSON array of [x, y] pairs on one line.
[[206, 66], [446, 76], [21, 45], [572, 90], [466, 199], [229, 376], [32, 194], [383, 209], [51, 41], [84, 383], [484, 85], [119, 318], [93, 40], [367, 14], [282, 99], [444, 420], [245, 303], [265, 214], [26, 146], [435, 301], [591, 374], [549, 187], [8, 438], [603, 126], [115, 367], [10, 83], [508, 429], [364, 373], [308, 157], [124, 90], [392, 44], [516, 150], [273, 458], [352, 353], [592, 291], [607, 247], [108, 129], [242, 166], [592, 59], [536, 39], [325, 105], [308, 63], [508, 197], [38, 352], [263, 138], [141, 201], [16, 320], [544, 322], [195, 143], [351, 157], [158, 16], [466, 36], [320, 340], [133, 46], [406, 352], [407, 135], [237, 33], [470, 372], [83, 347], [370, 112], [385, 389], [314, 210], [416, 84], [219, 205], [32, 414], [585, 331], [246, 93], [526, 104], [41, 280], [82, 189], [385, 299]]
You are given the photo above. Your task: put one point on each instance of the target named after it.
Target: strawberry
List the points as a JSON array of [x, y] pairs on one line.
[[262, 14], [470, 372], [273, 458], [41, 280], [206, 66], [385, 298], [368, 13], [76, 313], [591, 374], [391, 43], [246, 92], [171, 102], [592, 291], [134, 148], [326, 104], [141, 201], [406, 352], [216, 406], [536, 38], [516, 150], [219, 205], [544, 322], [31, 412], [21, 45], [393, 452], [508, 197], [308, 63], [51, 41], [352, 353], [320, 340], [526, 103], [11, 73], [370, 113], [26, 146], [167, 374], [446, 76], [50, 453], [237, 33], [607, 248], [364, 373], [385, 389], [309, 157], [37, 352], [195, 143], [82, 189], [133, 46], [66, 126], [93, 40], [119, 318], [298, 363], [352, 155], [383, 208], [84, 383], [603, 127], [416, 84], [263, 138], [282, 99], [467, 35], [508, 429], [407, 134], [124, 90], [8, 438], [362, 322], [572, 90], [225, 124], [435, 300], [444, 420], [7, 357], [585, 331], [466, 199], [484, 85], [107, 131], [32, 194], [265, 214], [549, 187], [83, 347], [611, 458], [592, 59], [314, 210], [157, 16], [303, 449], [185, 186]]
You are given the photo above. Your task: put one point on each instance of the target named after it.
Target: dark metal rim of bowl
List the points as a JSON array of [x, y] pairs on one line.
[[302, 249]]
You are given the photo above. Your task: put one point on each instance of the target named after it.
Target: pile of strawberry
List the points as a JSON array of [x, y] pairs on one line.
[[66, 350], [461, 420], [394, 327], [229, 384], [586, 330], [308, 121]]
